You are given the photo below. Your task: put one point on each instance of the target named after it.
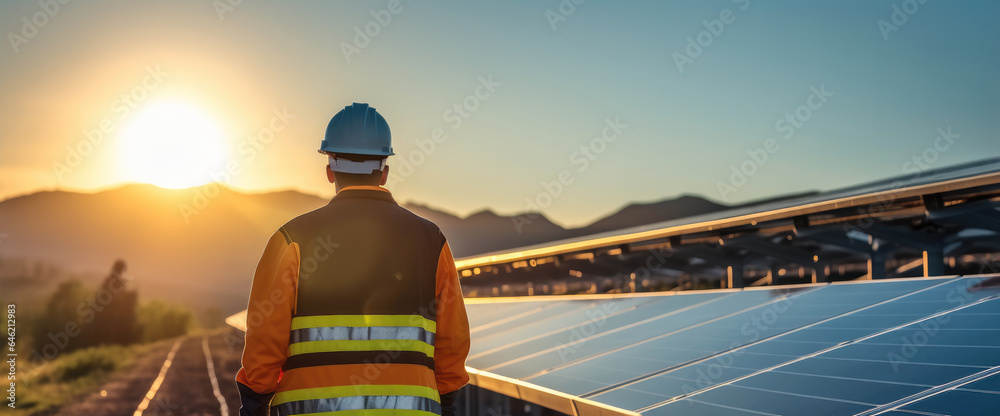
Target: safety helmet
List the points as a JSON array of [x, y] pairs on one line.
[[357, 130]]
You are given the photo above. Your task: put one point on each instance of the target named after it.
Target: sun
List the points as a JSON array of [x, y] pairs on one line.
[[172, 144]]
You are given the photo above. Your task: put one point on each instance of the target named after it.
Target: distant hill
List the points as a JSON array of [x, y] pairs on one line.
[[173, 249], [201, 245], [486, 231], [649, 213]]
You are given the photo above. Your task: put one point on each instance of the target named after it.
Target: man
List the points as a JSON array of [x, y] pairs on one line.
[[355, 305]]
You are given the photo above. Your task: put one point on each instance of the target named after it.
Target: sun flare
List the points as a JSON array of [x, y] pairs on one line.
[[172, 145]]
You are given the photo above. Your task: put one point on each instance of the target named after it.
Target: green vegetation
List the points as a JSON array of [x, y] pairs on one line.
[[60, 311], [69, 376], [162, 320], [90, 334]]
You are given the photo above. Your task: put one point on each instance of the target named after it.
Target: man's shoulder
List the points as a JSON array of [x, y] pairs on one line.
[[321, 214], [415, 217], [298, 222], [429, 227]]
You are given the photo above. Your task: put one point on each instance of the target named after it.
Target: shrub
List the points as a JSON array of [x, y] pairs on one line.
[[88, 362], [161, 320]]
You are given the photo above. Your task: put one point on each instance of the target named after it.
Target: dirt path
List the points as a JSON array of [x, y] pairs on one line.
[[186, 387]]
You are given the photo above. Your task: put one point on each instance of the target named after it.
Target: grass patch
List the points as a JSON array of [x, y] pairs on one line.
[[69, 376]]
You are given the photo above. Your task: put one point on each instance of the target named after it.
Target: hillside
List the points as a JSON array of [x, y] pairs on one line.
[[173, 249]]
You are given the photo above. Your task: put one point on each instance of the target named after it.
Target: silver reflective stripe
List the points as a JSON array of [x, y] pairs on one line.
[[362, 333], [359, 403]]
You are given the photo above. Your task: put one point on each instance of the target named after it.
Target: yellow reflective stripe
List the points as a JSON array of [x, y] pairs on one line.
[[319, 321], [355, 390], [361, 345], [376, 412]]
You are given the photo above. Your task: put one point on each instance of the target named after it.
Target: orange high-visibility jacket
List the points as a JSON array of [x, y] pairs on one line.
[[355, 305]]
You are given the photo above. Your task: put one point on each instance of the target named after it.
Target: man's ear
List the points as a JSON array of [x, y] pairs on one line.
[[330, 175], [385, 175]]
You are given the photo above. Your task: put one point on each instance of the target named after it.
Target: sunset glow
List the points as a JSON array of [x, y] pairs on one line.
[[172, 145]]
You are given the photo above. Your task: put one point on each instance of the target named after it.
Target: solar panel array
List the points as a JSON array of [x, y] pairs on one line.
[[872, 199], [900, 347]]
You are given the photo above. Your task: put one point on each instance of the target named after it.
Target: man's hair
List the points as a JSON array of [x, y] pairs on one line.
[[355, 179]]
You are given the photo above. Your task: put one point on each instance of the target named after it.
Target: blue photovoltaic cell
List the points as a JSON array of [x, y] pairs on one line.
[[958, 403], [767, 401], [842, 348], [578, 314], [781, 346], [991, 383], [896, 372], [927, 354], [902, 413], [604, 334], [788, 345], [697, 408], [676, 324], [605, 318], [524, 323], [484, 314], [871, 392], [920, 365]]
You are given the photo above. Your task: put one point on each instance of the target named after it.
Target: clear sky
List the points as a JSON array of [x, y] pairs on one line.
[[254, 85]]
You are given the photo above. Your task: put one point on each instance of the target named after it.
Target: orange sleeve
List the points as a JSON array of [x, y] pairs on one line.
[[451, 342], [269, 315]]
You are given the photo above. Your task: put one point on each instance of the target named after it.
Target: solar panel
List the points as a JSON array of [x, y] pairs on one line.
[[879, 193], [874, 347]]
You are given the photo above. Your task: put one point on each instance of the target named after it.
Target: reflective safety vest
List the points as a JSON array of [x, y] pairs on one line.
[[367, 302]]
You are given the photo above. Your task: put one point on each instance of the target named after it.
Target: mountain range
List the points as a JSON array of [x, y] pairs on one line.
[[202, 244]]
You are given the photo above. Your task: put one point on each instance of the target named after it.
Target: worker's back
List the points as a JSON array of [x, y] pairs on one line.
[[355, 306], [364, 254]]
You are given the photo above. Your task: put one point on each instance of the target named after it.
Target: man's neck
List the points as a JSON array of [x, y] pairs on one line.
[[340, 187]]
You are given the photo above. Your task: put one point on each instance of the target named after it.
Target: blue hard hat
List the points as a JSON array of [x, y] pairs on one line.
[[358, 129]]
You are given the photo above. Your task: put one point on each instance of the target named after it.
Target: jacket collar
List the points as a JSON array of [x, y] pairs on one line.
[[364, 192]]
